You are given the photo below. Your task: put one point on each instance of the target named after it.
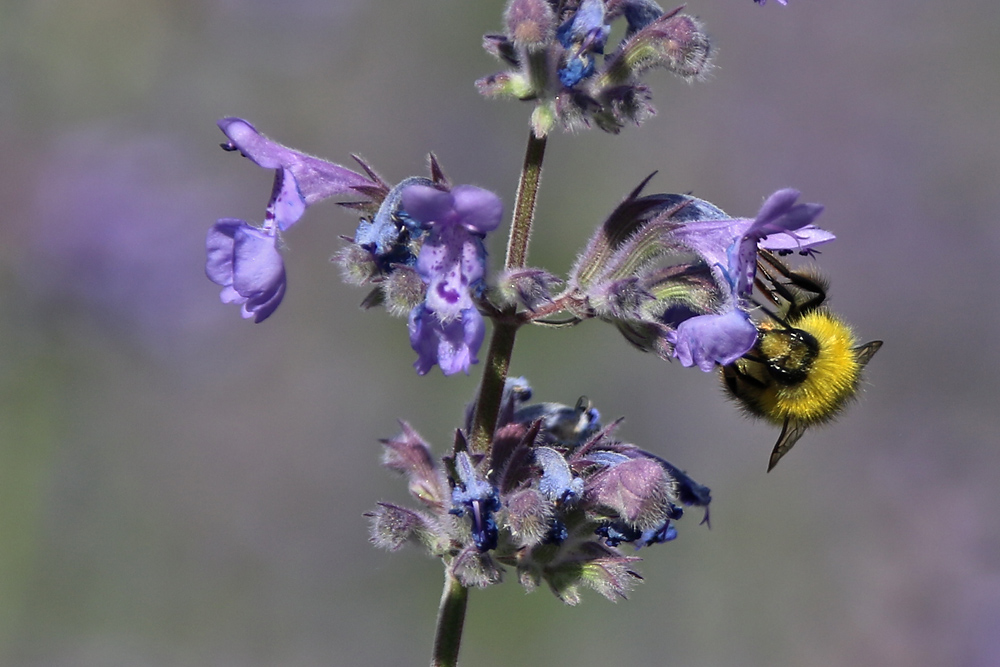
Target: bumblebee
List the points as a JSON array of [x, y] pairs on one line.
[[806, 364]]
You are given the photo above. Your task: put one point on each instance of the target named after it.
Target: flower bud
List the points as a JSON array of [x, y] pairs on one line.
[[543, 119], [506, 84], [409, 455], [501, 48], [530, 288], [675, 42], [393, 526], [530, 23], [403, 290], [357, 265], [636, 490], [529, 516], [475, 569]]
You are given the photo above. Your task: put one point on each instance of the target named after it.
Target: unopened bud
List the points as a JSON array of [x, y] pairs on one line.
[[529, 515], [530, 288], [393, 526], [675, 42], [403, 291], [636, 490], [530, 23], [357, 265], [506, 84]]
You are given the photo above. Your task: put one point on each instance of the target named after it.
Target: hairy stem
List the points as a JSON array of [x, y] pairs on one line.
[[451, 619], [505, 326], [524, 209], [454, 598]]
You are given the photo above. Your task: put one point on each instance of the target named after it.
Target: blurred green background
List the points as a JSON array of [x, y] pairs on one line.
[[180, 487]]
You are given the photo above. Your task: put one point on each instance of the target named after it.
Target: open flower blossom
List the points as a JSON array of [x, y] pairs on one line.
[[729, 247], [300, 180], [447, 329], [245, 259]]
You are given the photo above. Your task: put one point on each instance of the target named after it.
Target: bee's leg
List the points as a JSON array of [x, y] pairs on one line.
[[798, 280], [732, 376]]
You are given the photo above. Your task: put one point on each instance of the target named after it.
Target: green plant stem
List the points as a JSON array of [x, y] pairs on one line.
[[524, 208], [451, 619], [455, 596], [491, 387], [505, 326]]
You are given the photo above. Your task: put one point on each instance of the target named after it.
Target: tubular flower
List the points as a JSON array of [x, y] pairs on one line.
[[557, 52], [553, 508], [637, 271], [300, 180], [446, 328], [729, 247], [245, 259]]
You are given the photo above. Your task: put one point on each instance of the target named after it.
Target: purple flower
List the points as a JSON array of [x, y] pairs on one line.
[[300, 180], [706, 340], [555, 513], [764, 2], [246, 262], [452, 345], [775, 228], [245, 259], [729, 247], [582, 36], [446, 328]]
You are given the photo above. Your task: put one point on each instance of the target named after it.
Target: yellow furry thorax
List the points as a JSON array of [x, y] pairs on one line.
[[830, 378]]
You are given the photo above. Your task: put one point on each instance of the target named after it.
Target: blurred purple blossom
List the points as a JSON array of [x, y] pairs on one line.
[[108, 234]]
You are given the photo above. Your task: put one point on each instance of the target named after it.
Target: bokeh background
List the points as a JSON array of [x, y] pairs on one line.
[[180, 487]]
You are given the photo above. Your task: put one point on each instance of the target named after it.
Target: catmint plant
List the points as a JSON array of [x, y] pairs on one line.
[[543, 490]]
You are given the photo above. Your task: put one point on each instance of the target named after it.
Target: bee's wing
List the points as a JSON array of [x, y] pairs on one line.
[[865, 352], [790, 434]]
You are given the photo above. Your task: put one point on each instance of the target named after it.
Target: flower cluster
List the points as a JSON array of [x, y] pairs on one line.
[[420, 242], [555, 497], [556, 51]]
